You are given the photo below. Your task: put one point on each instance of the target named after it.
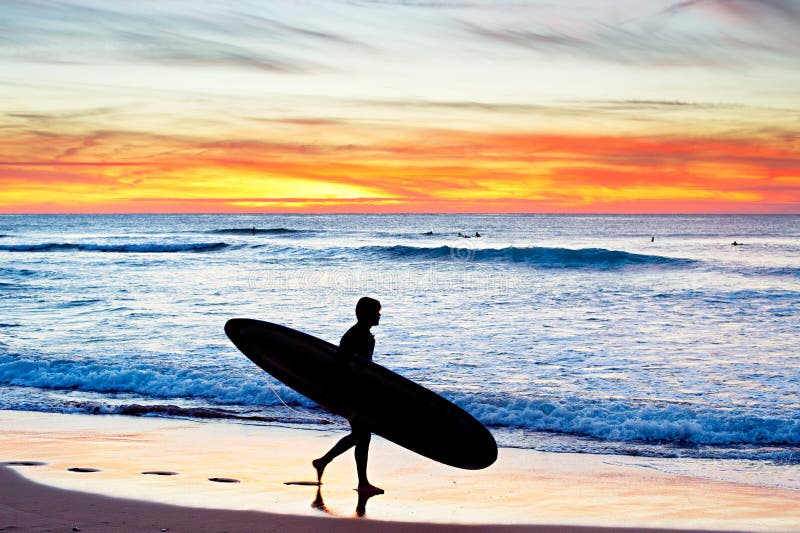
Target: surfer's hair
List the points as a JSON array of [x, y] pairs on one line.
[[367, 306]]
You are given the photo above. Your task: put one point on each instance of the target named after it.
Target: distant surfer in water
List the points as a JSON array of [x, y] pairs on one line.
[[357, 343]]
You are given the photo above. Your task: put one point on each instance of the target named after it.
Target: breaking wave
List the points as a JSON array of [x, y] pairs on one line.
[[537, 256], [259, 231], [617, 420], [228, 393], [119, 248]]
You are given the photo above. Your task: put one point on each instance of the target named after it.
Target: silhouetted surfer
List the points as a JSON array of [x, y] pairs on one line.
[[357, 343]]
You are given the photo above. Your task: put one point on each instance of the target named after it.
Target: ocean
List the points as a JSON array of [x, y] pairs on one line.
[[648, 338]]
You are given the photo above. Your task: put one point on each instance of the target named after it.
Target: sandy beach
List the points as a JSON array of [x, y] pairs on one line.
[[524, 490]]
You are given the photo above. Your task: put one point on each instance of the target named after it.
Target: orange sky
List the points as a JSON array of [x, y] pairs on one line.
[[435, 171], [400, 108]]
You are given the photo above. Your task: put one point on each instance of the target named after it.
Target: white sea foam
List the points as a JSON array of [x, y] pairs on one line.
[[144, 379], [628, 421]]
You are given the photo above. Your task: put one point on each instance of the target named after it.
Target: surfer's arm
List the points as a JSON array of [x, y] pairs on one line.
[[361, 358], [343, 356], [355, 345], [349, 355]]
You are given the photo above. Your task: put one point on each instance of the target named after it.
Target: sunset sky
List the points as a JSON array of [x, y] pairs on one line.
[[625, 106]]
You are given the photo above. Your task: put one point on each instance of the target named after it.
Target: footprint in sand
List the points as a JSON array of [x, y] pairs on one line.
[[224, 480], [23, 463], [159, 473], [83, 469]]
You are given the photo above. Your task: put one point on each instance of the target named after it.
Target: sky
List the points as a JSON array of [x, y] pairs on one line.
[[310, 106]]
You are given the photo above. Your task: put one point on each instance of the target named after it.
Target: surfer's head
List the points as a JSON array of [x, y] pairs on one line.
[[368, 310]]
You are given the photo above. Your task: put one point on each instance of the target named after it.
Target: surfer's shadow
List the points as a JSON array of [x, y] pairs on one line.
[[361, 503]]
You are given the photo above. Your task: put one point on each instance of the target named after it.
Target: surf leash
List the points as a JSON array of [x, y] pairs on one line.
[[300, 413]]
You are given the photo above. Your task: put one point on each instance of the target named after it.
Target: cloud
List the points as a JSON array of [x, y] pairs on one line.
[[447, 4], [632, 47], [638, 105], [188, 50], [301, 121], [58, 163], [750, 11], [271, 199], [636, 109], [723, 33], [39, 118], [453, 104], [291, 37], [190, 35]]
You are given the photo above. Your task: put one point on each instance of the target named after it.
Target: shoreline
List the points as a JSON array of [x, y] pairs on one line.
[[524, 491]]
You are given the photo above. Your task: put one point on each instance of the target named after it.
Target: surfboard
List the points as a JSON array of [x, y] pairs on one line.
[[392, 406]]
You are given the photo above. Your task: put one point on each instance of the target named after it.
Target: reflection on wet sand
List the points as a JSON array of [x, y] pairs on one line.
[[361, 503]]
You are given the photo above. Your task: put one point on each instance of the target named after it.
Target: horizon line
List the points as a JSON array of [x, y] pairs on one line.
[[350, 213]]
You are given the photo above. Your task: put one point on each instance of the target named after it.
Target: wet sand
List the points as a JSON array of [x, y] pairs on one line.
[[524, 490], [28, 506]]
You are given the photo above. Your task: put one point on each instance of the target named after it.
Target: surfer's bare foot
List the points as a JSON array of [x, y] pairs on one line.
[[369, 488], [319, 466]]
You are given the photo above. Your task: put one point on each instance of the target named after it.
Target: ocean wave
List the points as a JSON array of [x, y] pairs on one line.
[[544, 257], [634, 422], [259, 231], [80, 302], [788, 272], [20, 272], [165, 382], [119, 248], [609, 420], [180, 411]]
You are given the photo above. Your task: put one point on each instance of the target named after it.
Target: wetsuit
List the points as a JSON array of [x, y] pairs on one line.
[[357, 342]]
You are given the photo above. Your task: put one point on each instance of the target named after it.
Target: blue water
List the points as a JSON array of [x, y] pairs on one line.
[[561, 333]]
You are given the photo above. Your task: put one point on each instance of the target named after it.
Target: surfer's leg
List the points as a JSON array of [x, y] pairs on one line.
[[362, 437], [362, 454], [344, 444]]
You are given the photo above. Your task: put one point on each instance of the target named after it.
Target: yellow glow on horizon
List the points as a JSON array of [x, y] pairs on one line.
[[447, 171], [660, 192], [224, 183], [305, 204]]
